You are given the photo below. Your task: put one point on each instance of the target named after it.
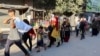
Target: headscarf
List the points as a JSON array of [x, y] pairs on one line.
[[56, 23]]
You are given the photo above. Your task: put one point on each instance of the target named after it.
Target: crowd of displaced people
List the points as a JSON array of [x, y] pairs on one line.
[[56, 33]]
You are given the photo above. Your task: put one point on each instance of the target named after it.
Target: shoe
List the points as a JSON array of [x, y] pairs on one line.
[[45, 48], [29, 52], [49, 46], [30, 49], [82, 38], [36, 47], [58, 44], [38, 50]]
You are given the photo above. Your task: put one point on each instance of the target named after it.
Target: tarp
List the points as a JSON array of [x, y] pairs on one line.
[[34, 9]]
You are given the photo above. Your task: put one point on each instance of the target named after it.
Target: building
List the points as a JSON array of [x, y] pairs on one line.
[[23, 9]]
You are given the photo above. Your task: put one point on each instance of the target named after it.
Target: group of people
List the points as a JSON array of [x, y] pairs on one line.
[[54, 33], [18, 28], [21, 30], [83, 25]]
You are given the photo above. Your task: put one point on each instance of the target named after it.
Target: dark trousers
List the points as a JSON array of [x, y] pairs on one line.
[[82, 34], [95, 31], [62, 36], [52, 40], [67, 36], [9, 43], [25, 37], [77, 32], [66, 39]]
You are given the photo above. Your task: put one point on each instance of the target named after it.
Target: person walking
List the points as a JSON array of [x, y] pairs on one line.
[[40, 38], [52, 40], [95, 26], [26, 36], [77, 28], [56, 31], [66, 27], [82, 27], [14, 36]]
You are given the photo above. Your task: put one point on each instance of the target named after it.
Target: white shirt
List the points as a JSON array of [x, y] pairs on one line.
[[89, 19], [21, 26], [29, 18], [78, 24]]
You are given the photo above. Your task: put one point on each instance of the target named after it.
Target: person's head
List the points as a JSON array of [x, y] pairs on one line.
[[95, 18], [41, 27], [64, 19], [11, 12], [83, 18], [93, 15], [26, 21], [67, 19]]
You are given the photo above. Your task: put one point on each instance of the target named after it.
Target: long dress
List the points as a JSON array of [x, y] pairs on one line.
[[95, 28], [67, 32]]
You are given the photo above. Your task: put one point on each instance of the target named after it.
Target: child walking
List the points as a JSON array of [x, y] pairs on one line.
[[40, 42]]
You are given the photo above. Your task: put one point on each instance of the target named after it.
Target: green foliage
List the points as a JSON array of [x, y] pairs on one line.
[[44, 4], [69, 6], [61, 6]]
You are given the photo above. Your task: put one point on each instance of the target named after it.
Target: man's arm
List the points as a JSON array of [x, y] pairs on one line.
[[6, 21], [12, 25]]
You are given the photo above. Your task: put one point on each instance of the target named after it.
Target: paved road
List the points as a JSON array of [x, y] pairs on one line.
[[74, 43]]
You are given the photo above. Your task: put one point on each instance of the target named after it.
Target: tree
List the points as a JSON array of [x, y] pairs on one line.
[[74, 6], [60, 6], [44, 4]]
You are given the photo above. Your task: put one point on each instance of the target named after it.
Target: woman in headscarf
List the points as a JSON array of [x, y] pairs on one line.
[[56, 31], [66, 27], [95, 26]]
